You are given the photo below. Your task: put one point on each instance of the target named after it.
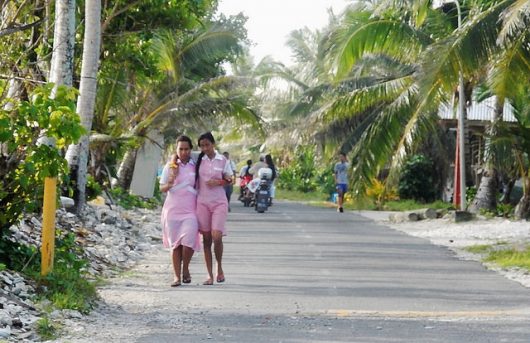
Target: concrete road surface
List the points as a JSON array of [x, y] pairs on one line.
[[307, 274]]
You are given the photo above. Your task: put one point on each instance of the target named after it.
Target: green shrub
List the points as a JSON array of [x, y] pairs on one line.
[[67, 285], [417, 180], [24, 163], [129, 201], [301, 174], [93, 188]]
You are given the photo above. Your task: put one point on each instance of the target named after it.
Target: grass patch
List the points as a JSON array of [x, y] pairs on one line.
[[46, 329], [322, 199], [503, 254], [479, 248], [300, 196], [408, 205], [510, 257]]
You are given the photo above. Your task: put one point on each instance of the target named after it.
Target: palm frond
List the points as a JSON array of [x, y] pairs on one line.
[[515, 19], [390, 37]]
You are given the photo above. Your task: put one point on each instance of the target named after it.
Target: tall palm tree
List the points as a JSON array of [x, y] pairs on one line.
[[87, 95], [186, 96]]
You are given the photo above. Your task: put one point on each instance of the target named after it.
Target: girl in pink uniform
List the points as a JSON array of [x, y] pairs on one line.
[[213, 172], [180, 230]]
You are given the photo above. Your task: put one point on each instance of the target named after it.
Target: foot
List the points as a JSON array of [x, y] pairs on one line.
[[186, 278], [175, 283], [220, 278], [208, 282]]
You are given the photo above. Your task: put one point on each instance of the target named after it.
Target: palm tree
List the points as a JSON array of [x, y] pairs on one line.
[[87, 96], [185, 95], [403, 107]]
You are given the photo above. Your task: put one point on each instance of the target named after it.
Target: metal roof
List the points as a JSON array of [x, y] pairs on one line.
[[479, 111]]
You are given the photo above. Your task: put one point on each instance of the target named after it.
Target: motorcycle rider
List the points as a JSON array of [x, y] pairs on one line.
[[246, 177]]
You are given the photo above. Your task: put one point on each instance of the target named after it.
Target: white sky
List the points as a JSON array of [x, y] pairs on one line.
[[270, 21]]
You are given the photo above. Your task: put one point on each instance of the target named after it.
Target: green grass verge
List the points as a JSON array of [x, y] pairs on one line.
[[480, 248], [300, 196], [321, 199], [510, 257], [503, 254]]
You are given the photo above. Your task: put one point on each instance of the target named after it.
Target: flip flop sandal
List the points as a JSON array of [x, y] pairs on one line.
[[175, 284], [221, 278], [208, 282], [186, 279]]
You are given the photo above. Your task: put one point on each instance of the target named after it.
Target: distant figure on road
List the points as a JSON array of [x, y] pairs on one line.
[[213, 172], [229, 188], [257, 166], [180, 229], [340, 173], [245, 178], [270, 164]]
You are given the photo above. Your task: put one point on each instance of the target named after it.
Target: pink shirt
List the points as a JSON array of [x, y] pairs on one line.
[[181, 199], [216, 168]]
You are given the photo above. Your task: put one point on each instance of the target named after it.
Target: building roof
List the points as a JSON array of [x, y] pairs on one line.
[[479, 111]]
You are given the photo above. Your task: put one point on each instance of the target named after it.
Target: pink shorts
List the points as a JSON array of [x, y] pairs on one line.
[[212, 217]]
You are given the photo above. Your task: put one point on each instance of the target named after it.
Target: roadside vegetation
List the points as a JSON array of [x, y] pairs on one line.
[[504, 255]]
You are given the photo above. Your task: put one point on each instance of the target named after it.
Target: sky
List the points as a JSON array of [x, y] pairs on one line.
[[270, 21]]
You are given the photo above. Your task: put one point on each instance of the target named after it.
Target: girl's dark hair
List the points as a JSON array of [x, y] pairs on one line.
[[208, 136], [182, 138], [247, 171], [270, 163]]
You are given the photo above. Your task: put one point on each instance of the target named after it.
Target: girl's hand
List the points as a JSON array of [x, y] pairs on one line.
[[173, 172], [214, 182]]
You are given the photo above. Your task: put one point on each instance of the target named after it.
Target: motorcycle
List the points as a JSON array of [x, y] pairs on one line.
[[260, 188], [246, 196]]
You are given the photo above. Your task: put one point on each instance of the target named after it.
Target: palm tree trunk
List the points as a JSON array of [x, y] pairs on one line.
[[486, 198], [87, 91], [62, 65], [523, 207], [126, 169]]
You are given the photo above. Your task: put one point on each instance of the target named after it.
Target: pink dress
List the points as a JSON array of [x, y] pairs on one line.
[[212, 205], [179, 219]]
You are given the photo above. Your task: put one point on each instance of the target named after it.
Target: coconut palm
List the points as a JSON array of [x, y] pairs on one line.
[[403, 109], [187, 95]]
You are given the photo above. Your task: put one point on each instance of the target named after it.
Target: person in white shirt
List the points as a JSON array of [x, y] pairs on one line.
[[229, 188]]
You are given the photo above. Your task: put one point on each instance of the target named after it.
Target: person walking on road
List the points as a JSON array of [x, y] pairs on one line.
[[213, 172], [340, 173], [180, 229], [229, 188]]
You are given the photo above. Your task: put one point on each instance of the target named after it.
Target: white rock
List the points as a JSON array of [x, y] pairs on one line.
[[67, 202], [5, 332]]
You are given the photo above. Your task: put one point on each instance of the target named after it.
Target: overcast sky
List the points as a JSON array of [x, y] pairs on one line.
[[270, 21]]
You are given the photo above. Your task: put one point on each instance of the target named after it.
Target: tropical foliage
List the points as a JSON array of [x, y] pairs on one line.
[[383, 69]]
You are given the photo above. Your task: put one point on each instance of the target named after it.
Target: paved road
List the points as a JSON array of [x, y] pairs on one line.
[[305, 274]]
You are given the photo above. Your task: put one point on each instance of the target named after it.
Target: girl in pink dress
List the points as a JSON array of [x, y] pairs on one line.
[[180, 230], [213, 173]]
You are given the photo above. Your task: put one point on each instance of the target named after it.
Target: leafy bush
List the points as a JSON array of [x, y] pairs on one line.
[[93, 188], [66, 285], [128, 201], [417, 180], [379, 194], [25, 163], [300, 174]]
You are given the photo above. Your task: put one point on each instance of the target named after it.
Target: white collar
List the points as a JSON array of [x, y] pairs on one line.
[[217, 156]]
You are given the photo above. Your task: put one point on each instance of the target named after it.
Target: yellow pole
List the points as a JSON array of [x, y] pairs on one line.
[[48, 225]]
